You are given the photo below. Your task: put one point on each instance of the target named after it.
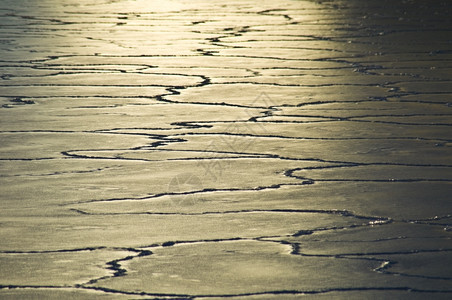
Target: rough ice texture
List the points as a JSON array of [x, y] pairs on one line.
[[225, 149]]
